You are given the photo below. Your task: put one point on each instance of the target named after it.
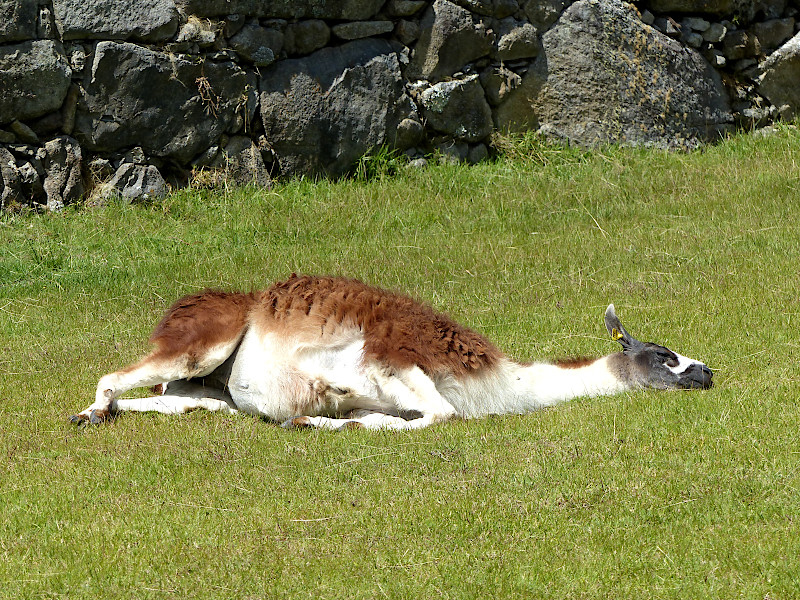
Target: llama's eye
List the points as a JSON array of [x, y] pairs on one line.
[[667, 358]]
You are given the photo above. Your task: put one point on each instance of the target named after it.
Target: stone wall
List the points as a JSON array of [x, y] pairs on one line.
[[135, 94]]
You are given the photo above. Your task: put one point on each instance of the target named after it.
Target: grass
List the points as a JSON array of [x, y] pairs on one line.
[[644, 495]]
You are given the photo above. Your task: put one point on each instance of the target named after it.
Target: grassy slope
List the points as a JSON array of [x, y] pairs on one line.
[[648, 494]]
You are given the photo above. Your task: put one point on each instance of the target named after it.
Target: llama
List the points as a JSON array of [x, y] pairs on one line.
[[335, 353]]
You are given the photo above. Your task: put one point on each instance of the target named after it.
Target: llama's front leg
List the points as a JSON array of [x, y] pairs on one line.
[[179, 397]]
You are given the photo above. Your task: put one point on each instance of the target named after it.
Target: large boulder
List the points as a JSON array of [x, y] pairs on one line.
[[450, 37], [147, 20], [345, 10], [35, 79], [183, 106], [604, 76], [323, 112], [18, 20], [781, 74]]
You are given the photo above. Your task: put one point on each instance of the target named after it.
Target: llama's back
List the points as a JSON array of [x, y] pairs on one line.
[[398, 331]]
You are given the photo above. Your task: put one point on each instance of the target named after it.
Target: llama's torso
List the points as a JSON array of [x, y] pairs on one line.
[[397, 331], [308, 332]]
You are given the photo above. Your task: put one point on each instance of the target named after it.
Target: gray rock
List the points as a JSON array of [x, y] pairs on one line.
[[707, 7], [668, 25], [410, 132], [781, 72], [46, 26], [18, 20], [458, 108], [604, 76], [146, 20], [695, 24], [31, 182], [24, 133], [305, 37], [745, 10], [450, 37], [34, 78], [244, 163], [715, 33], [771, 34], [69, 109], [479, 7], [740, 44], [135, 182], [10, 184], [453, 152], [404, 8], [184, 106], [515, 40], [356, 30], [477, 154], [257, 45], [198, 32], [323, 112], [345, 10], [692, 39], [62, 163], [543, 13], [497, 82], [135, 156], [77, 58], [100, 169], [505, 8], [233, 23], [715, 58], [407, 32], [7, 137]]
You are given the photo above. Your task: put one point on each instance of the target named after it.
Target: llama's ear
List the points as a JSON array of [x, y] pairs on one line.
[[617, 331]]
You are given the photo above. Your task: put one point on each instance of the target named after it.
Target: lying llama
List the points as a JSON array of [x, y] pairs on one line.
[[330, 352]]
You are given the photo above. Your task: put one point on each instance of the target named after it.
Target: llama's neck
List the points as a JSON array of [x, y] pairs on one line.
[[513, 388]]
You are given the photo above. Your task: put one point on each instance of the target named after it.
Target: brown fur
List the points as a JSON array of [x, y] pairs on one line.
[[198, 322], [575, 363], [398, 331]]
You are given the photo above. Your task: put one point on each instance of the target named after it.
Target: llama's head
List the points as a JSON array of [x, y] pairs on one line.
[[652, 365]]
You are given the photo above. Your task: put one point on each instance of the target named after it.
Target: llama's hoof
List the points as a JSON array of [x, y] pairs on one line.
[[297, 423], [93, 417], [351, 425]]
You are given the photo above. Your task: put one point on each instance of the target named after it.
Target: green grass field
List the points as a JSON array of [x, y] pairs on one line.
[[643, 495]]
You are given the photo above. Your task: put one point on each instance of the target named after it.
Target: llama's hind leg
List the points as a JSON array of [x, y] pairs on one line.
[[409, 397], [357, 419]]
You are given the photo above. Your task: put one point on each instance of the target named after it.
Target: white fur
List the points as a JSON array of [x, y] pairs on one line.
[[516, 389], [684, 362]]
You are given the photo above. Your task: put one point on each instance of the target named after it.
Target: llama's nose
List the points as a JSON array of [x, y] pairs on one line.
[[696, 376]]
